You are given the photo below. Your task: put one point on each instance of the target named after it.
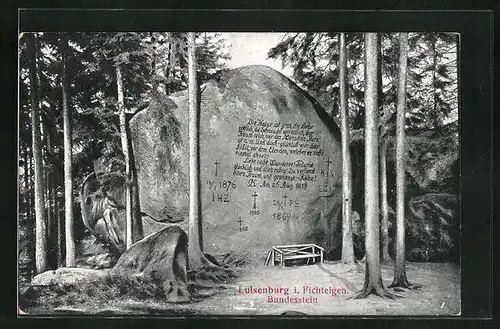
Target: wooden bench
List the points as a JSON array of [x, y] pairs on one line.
[[280, 254]]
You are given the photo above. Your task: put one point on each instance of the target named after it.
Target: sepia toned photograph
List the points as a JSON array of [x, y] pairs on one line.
[[184, 174]]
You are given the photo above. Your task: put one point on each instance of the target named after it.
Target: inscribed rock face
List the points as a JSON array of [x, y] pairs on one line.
[[270, 162]]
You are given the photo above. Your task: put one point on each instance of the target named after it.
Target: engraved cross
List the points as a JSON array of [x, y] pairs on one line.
[[255, 195], [216, 163], [328, 166]]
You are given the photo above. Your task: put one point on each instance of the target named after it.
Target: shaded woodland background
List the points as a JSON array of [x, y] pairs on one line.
[[156, 63]]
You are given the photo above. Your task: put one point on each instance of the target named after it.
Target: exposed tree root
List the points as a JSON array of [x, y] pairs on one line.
[[211, 276], [377, 290], [198, 260], [415, 286], [409, 286], [402, 282], [206, 281]]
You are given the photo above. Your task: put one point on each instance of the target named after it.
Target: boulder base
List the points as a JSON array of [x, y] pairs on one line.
[[67, 276], [160, 258]]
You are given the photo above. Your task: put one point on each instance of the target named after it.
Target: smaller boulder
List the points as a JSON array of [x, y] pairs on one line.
[[67, 276], [160, 258]]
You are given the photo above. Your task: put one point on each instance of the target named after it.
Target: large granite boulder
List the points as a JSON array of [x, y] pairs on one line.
[[160, 258], [270, 163], [103, 214], [434, 228]]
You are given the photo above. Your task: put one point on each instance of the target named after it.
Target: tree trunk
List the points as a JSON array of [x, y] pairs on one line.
[[195, 250], [29, 217], [52, 259], [40, 225], [59, 229], [137, 227], [384, 255], [434, 91], [31, 204], [68, 179], [25, 182], [126, 158], [169, 64], [48, 211], [26, 200], [153, 63], [347, 243], [400, 279], [380, 83], [373, 277], [55, 233]]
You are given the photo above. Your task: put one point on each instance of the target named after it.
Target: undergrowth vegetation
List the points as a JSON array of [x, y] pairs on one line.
[[112, 288]]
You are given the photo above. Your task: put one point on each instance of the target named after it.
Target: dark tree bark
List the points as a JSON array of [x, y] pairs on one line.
[[373, 277], [40, 218], [32, 209], [26, 184], [347, 243], [28, 206], [153, 63], [384, 205], [54, 224], [125, 148], [59, 231], [51, 227], [380, 83], [384, 208], [31, 223], [68, 179], [48, 211], [25, 180], [195, 244], [137, 227], [400, 279]]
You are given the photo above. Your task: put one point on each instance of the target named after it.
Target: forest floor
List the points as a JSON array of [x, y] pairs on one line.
[[439, 294]]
